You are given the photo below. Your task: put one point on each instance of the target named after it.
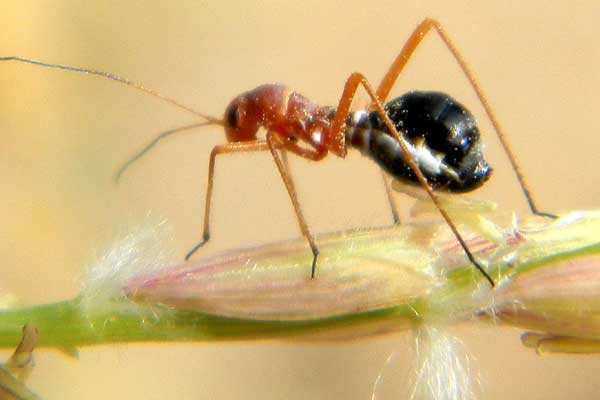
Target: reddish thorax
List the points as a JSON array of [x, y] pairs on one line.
[[300, 125]]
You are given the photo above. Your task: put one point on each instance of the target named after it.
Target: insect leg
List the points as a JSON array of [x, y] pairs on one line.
[[390, 198], [350, 89], [284, 159], [402, 59], [273, 143], [228, 148]]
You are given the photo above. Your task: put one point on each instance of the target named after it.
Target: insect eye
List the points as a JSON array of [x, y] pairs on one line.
[[233, 116]]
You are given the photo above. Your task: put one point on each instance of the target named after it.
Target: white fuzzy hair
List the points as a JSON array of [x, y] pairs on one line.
[[441, 368], [142, 250]]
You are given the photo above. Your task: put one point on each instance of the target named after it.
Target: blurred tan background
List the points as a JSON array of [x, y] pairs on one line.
[[63, 135]]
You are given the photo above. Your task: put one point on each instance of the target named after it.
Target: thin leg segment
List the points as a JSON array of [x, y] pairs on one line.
[[390, 198], [273, 143], [229, 148], [400, 62], [343, 108]]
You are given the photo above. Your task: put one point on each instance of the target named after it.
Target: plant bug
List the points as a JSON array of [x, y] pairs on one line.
[[426, 138]]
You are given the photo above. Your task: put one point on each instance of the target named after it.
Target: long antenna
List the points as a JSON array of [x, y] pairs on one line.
[[153, 143], [116, 78]]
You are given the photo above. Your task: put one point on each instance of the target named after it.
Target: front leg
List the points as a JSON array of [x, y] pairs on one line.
[[229, 148]]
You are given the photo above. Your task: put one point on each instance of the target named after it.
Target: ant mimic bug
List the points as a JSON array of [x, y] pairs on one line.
[[426, 138]]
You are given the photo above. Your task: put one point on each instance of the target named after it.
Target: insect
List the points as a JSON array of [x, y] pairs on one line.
[[426, 138]]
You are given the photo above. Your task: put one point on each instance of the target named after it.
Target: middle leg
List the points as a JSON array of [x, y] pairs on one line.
[[273, 144]]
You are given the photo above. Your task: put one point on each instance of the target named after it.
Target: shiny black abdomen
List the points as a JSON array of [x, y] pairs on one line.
[[439, 128]]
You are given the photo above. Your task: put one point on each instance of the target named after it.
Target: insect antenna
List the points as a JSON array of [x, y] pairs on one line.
[[116, 78], [154, 142], [209, 120]]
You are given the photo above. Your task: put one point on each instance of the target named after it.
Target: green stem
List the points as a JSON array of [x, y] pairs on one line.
[[64, 325]]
